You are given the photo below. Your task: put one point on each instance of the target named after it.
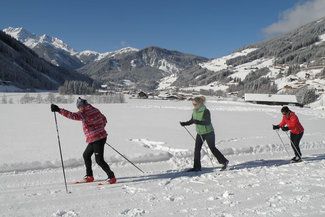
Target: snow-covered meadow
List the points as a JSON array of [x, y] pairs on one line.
[[260, 182]]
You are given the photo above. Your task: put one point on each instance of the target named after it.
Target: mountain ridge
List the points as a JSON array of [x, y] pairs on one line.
[[55, 51], [144, 67], [23, 68], [290, 61], [285, 61]]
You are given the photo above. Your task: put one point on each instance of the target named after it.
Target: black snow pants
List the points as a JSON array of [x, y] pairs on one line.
[[96, 147], [210, 138], [295, 140]]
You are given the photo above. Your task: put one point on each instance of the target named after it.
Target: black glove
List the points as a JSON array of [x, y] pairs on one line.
[[285, 128], [55, 108], [183, 123], [276, 127]]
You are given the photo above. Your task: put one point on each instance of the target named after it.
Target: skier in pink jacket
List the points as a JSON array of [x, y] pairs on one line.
[[93, 123]]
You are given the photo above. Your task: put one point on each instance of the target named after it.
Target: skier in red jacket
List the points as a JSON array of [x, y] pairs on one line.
[[291, 122], [93, 123]]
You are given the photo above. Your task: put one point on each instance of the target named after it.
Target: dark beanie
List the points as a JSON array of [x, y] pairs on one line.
[[285, 109], [81, 102]]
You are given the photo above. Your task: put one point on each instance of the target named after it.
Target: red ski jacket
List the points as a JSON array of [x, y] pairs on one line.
[[93, 122], [293, 123]]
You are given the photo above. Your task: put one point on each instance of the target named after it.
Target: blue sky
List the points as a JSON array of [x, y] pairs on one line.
[[210, 28]]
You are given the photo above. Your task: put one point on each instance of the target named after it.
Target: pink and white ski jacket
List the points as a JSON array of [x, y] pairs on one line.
[[93, 122]]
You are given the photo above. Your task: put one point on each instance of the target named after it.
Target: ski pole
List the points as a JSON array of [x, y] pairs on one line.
[[282, 142], [293, 145], [57, 132], [202, 143], [124, 157], [205, 149]]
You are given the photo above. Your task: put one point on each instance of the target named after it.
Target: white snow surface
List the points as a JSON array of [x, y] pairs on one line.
[[220, 63], [166, 82], [260, 180], [243, 70], [168, 67], [212, 86], [319, 104], [322, 39]]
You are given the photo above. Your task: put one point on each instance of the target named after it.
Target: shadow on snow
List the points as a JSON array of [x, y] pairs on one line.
[[172, 174]]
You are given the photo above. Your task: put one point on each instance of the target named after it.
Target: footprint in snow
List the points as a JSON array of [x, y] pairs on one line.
[[62, 213], [134, 212], [174, 198], [33, 195], [132, 190]]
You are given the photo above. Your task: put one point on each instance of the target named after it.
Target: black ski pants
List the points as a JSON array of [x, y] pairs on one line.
[[295, 140], [96, 147], [210, 138]]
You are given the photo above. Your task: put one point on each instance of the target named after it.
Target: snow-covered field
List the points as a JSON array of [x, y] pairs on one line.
[[260, 182]]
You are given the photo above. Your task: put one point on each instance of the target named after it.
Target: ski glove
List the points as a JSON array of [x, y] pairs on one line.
[[275, 127], [55, 108], [183, 124], [285, 128]]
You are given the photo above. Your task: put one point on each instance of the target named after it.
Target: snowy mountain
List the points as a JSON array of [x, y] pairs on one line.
[[283, 63], [31, 40], [142, 67], [49, 48], [22, 67], [125, 66], [89, 56], [56, 51]]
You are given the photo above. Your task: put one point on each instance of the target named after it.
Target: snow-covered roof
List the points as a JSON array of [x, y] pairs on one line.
[[270, 98]]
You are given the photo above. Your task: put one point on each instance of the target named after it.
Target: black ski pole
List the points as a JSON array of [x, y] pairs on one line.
[[205, 149], [189, 133], [202, 143], [282, 142], [124, 157], [57, 132], [293, 145]]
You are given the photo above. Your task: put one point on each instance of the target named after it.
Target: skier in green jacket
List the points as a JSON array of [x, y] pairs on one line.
[[202, 119]]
